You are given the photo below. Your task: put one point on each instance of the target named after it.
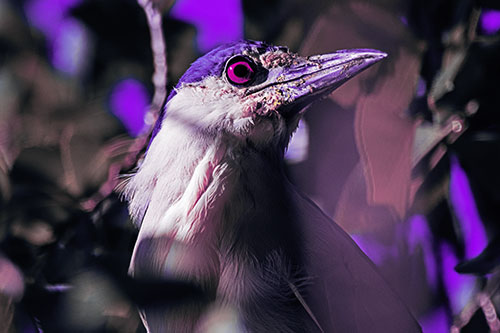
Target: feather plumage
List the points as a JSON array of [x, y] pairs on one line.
[[216, 208]]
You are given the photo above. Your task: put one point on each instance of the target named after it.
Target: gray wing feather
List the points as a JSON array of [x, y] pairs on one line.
[[347, 293]]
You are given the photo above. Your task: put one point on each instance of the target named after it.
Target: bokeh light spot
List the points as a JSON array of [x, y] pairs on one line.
[[129, 101], [465, 209], [217, 22], [490, 21]]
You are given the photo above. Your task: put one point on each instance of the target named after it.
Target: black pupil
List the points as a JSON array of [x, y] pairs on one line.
[[241, 71]]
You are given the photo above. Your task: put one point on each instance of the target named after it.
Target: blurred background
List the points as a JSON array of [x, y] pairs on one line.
[[405, 157]]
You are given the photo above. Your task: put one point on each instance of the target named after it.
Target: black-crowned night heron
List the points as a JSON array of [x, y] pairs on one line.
[[215, 207]]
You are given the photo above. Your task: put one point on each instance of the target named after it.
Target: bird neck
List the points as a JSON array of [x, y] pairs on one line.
[[259, 213], [189, 186]]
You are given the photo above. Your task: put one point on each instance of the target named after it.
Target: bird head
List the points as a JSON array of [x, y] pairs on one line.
[[240, 96], [255, 93]]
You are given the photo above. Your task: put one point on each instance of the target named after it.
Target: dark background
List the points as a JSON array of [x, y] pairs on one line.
[[405, 157]]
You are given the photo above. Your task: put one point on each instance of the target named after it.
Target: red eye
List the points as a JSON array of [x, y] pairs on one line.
[[239, 71]]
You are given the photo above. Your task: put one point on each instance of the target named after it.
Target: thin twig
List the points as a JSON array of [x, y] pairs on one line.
[[159, 79], [159, 60]]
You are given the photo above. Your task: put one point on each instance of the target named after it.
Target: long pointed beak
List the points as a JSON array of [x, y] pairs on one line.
[[315, 76], [327, 72]]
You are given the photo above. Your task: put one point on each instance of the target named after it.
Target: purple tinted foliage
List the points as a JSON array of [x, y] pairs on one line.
[[421, 87], [47, 15], [217, 22], [70, 48], [375, 250], [490, 21], [435, 322], [129, 101], [29, 330], [420, 236], [459, 288], [67, 41], [404, 20], [58, 287], [465, 209]]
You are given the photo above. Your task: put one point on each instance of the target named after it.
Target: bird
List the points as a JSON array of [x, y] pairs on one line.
[[214, 206]]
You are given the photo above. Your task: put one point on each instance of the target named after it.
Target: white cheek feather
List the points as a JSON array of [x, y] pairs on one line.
[[209, 105], [198, 206], [215, 105], [172, 188], [163, 175]]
